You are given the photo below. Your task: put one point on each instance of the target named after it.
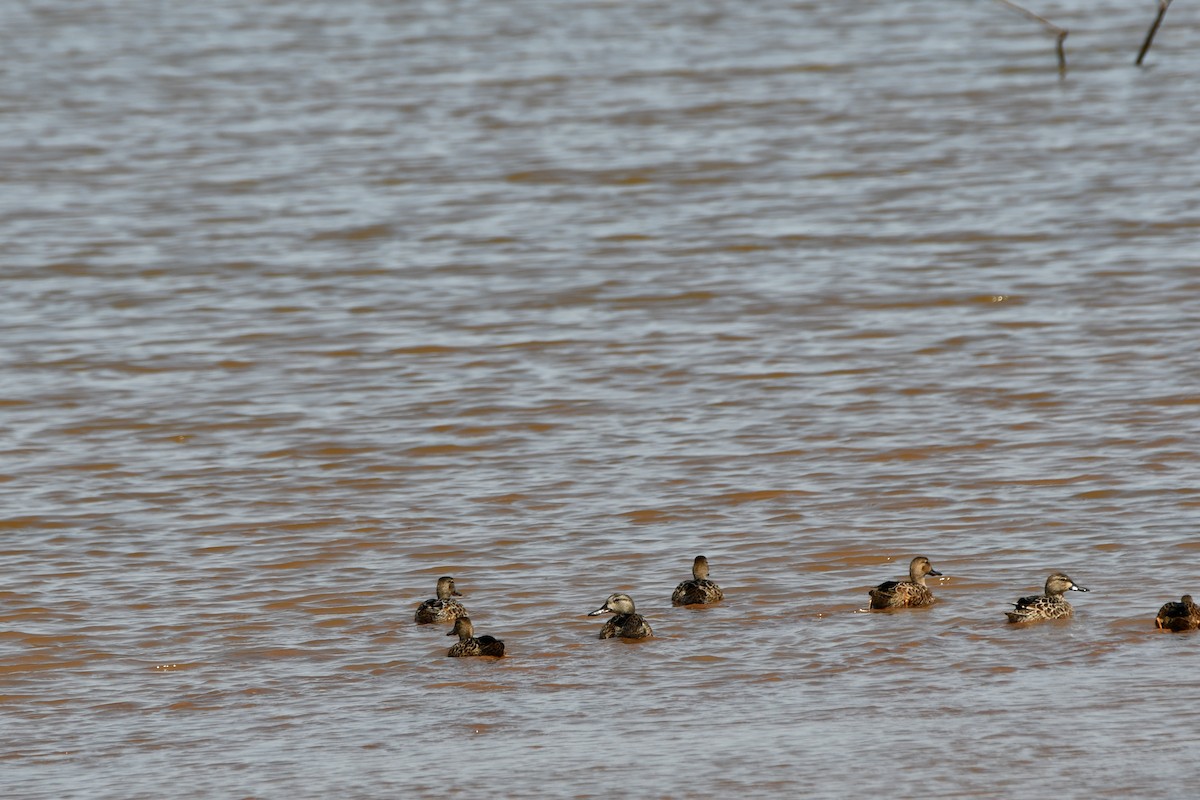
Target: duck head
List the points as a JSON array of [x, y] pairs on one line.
[[918, 568], [463, 629], [615, 604], [1059, 583], [445, 588]]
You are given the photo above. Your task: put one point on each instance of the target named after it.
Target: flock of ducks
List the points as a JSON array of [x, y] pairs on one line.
[[626, 623]]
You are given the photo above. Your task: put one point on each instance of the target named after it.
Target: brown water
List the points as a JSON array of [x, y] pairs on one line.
[[305, 304]]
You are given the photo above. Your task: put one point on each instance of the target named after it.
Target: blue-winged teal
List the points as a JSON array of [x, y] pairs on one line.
[[627, 624], [911, 593], [699, 589], [1181, 616], [1050, 605], [441, 608], [471, 645]]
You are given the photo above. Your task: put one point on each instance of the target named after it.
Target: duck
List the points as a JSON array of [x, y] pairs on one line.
[[441, 608], [699, 590], [1181, 616], [1050, 605], [627, 624], [912, 593], [469, 644]]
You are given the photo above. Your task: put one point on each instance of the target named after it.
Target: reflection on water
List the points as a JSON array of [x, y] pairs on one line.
[[306, 306]]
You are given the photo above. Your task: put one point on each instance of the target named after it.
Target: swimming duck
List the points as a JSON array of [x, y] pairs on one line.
[[911, 593], [1181, 616], [470, 645], [441, 608], [1049, 605], [627, 624], [699, 589]]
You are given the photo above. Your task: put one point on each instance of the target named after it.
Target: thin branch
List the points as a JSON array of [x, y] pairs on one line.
[[1060, 34], [1162, 11]]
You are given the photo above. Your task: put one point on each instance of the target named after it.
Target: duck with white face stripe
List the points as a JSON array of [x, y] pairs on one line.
[[1050, 605], [627, 624]]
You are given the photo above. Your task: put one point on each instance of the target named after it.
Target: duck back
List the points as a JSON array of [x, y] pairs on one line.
[[900, 594], [482, 646], [490, 646], [1180, 616], [435, 610], [1038, 607], [696, 592], [626, 626]]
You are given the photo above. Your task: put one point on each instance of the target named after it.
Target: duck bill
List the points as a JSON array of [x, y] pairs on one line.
[[453, 632], [604, 609], [935, 572], [456, 593]]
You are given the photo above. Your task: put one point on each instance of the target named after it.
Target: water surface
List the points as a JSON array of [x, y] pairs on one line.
[[306, 304]]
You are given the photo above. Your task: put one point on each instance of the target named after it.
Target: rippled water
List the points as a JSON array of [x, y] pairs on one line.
[[305, 304]]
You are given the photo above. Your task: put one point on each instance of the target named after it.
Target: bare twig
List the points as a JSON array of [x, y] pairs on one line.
[[1060, 34], [1162, 10]]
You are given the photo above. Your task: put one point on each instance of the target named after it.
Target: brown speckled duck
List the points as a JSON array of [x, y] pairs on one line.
[[469, 644], [699, 589], [442, 608], [627, 624], [1181, 616], [1050, 605], [912, 593]]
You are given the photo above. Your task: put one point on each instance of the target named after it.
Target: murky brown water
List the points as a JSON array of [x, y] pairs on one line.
[[306, 304]]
